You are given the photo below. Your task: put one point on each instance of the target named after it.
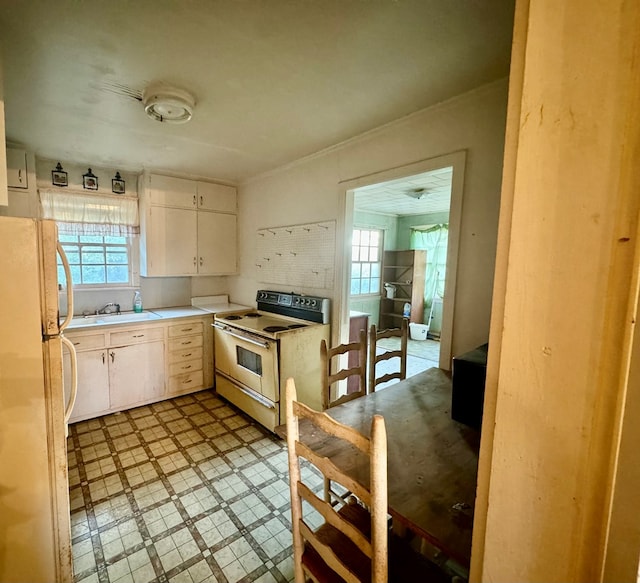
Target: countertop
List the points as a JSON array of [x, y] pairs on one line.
[[179, 312], [201, 306]]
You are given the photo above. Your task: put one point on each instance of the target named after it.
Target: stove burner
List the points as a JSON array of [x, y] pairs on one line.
[[233, 317], [252, 315], [294, 326], [275, 328]]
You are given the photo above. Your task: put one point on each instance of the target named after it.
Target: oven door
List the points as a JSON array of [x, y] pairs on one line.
[[249, 360]]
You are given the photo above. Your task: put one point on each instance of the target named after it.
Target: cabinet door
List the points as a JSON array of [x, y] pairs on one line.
[[93, 384], [216, 243], [171, 242], [216, 197], [136, 374], [171, 191], [17, 168]]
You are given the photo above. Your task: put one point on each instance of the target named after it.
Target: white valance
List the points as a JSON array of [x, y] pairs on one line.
[[81, 213]]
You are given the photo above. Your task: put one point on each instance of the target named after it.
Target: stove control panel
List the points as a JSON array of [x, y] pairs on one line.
[[296, 305]]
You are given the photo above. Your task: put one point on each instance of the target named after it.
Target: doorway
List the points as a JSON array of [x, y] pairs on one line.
[[408, 205]]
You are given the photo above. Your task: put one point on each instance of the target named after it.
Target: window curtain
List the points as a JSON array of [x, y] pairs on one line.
[[91, 214], [434, 241]]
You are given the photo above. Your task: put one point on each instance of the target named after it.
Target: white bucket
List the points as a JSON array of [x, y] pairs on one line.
[[418, 331]]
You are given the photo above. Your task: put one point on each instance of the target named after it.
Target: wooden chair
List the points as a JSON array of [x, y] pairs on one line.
[[359, 374], [329, 379], [374, 358], [352, 543]]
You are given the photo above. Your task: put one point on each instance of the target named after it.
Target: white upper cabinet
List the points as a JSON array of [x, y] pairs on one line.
[[171, 191], [17, 169], [216, 197], [187, 227]]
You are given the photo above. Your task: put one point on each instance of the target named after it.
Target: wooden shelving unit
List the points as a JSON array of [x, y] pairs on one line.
[[406, 271]]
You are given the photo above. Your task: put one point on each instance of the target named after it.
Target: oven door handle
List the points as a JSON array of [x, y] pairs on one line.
[[226, 330]]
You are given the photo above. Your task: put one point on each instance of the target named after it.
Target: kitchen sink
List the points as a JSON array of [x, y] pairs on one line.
[[110, 319]]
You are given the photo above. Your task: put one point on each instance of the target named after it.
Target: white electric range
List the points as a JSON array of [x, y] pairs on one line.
[[256, 350]]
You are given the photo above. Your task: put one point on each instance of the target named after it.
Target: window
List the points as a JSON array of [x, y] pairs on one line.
[[97, 260], [366, 261]]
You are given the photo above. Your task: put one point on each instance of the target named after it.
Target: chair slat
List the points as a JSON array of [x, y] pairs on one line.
[[329, 469], [333, 427], [327, 555], [374, 359], [334, 518]]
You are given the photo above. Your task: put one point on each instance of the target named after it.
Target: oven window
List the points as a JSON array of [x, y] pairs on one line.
[[249, 360]]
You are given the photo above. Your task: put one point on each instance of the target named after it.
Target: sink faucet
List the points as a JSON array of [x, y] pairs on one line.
[[108, 309]]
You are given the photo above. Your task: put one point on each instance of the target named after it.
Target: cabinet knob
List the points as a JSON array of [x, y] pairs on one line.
[[201, 261], [194, 200]]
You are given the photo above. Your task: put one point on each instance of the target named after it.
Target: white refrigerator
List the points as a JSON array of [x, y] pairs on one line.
[[35, 533]]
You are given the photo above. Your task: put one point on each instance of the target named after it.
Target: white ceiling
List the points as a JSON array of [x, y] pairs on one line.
[[429, 192], [275, 80]]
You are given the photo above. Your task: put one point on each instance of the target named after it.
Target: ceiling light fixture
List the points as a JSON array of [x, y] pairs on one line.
[[168, 104], [417, 193]]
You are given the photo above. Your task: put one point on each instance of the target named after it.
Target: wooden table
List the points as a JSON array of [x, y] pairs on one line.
[[432, 460]]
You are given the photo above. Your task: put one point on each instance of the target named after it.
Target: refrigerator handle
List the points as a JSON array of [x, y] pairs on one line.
[[67, 274], [74, 378]]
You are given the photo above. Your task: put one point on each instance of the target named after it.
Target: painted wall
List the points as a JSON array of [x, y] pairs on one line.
[[310, 190]]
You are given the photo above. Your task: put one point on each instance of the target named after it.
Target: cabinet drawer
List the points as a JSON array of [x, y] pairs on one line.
[[88, 342], [188, 328], [186, 353], [134, 336], [186, 381], [185, 342], [186, 366]]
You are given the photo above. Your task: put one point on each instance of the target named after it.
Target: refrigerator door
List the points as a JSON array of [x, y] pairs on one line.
[[35, 536]]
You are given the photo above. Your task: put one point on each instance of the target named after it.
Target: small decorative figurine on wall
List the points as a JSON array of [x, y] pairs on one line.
[[59, 176], [90, 181], [117, 184]]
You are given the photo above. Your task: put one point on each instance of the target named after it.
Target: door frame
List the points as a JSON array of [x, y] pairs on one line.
[[457, 161]]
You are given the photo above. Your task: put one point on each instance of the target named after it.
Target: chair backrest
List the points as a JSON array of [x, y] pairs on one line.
[[358, 371], [400, 353], [353, 541]]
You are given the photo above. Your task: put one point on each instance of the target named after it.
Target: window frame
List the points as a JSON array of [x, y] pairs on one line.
[[132, 256], [380, 250]]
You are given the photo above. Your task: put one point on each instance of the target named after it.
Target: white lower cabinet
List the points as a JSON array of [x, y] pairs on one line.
[[119, 367], [136, 374], [93, 384]]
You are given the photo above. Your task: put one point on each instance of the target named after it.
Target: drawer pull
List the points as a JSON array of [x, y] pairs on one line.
[[138, 335], [186, 343], [76, 343], [186, 367], [187, 381], [185, 355], [187, 329]]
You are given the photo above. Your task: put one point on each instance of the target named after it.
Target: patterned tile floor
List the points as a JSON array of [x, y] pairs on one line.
[[186, 490]]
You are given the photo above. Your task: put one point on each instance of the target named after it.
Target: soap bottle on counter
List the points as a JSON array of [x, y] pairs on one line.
[[137, 301]]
